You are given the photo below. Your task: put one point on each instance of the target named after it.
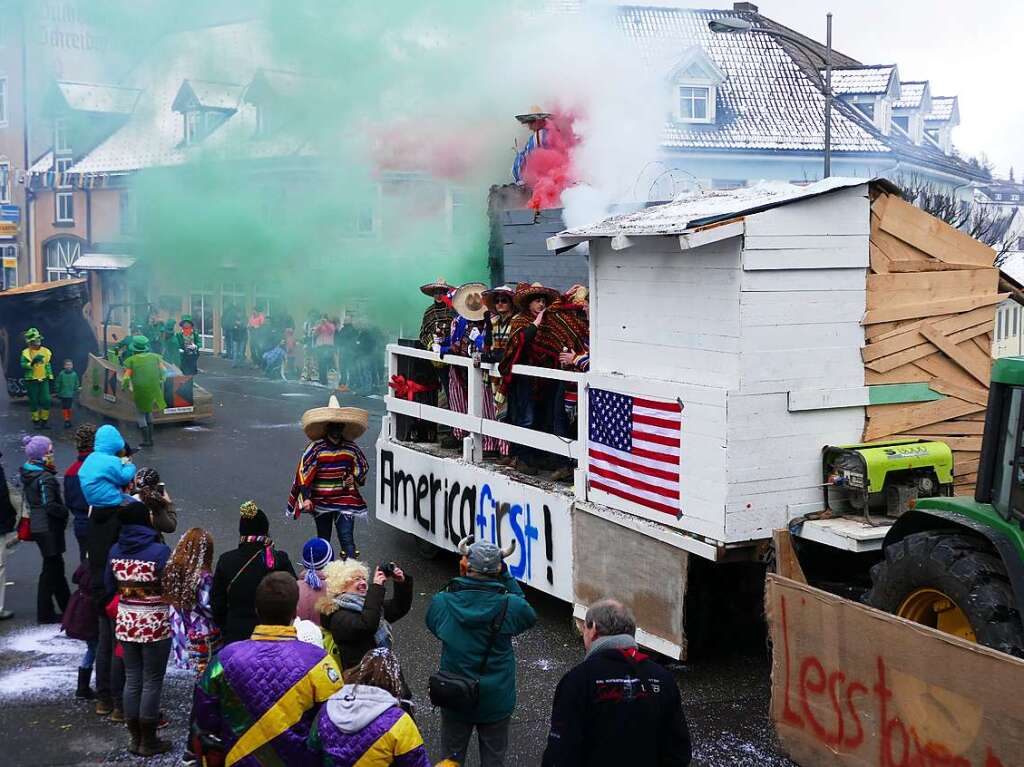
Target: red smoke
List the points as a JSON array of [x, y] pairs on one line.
[[548, 170]]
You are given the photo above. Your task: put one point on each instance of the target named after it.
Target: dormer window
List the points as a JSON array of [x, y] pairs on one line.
[[694, 85], [204, 107], [61, 136], [902, 122]]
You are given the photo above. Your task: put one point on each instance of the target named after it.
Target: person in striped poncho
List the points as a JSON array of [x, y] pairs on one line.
[[331, 471]]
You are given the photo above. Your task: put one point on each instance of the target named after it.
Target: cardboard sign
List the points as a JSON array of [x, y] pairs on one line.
[[179, 394], [856, 686]]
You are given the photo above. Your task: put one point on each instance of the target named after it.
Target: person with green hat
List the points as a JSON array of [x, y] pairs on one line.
[[172, 352], [35, 362], [143, 377], [188, 345]]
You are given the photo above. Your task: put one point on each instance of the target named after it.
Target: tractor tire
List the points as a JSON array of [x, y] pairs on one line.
[[962, 567]]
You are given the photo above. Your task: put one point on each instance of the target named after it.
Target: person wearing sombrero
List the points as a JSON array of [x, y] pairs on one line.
[[143, 377], [537, 337], [331, 471], [187, 343], [536, 120], [500, 311], [38, 375], [468, 337], [437, 319], [439, 315]]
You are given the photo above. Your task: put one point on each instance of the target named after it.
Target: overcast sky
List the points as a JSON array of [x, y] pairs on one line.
[[964, 49]]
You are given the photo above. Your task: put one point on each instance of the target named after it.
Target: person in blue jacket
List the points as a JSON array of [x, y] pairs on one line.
[[105, 475]]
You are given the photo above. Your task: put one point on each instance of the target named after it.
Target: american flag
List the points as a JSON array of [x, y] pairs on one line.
[[633, 447]]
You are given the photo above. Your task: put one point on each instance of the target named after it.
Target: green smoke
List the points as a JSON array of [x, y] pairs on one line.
[[391, 120]]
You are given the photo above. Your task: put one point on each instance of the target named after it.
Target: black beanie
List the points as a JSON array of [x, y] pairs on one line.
[[135, 513], [252, 520]]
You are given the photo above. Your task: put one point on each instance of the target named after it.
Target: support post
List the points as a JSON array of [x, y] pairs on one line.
[[828, 95], [473, 444]]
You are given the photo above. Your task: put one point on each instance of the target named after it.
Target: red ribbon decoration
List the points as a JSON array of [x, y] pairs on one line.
[[406, 388]]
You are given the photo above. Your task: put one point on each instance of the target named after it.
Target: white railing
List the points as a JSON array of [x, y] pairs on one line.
[[473, 421]]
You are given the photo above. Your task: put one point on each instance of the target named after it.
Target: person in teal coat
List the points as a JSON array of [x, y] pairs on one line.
[[463, 616], [144, 378]]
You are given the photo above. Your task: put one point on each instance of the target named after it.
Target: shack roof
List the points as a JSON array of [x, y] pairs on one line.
[[692, 210]]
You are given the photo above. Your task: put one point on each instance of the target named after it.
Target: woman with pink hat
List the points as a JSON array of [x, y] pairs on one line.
[[48, 517]]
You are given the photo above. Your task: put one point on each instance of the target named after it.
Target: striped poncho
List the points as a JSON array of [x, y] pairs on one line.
[[330, 475]]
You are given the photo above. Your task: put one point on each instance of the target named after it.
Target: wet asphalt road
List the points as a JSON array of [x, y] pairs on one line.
[[249, 451]]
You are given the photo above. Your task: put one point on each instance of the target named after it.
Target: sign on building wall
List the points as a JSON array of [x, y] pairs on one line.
[[442, 500]]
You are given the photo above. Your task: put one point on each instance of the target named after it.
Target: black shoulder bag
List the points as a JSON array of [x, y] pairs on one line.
[[461, 692]]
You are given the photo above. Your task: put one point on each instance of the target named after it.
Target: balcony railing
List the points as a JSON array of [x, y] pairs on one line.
[[473, 421]]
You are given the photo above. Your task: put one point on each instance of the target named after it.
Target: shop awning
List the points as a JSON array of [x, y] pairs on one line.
[[102, 262]]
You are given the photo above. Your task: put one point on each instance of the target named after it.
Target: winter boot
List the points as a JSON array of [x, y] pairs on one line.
[[117, 715], [104, 706], [134, 736], [84, 691], [149, 743], [147, 436]]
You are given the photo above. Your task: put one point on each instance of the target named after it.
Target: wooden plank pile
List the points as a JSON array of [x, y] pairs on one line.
[[932, 294]]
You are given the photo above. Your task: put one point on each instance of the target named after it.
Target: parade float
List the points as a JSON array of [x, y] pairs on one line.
[[57, 310], [736, 335]]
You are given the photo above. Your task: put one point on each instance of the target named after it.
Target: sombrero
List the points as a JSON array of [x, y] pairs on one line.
[[493, 293], [315, 421], [468, 301], [577, 294], [439, 284], [526, 292], [535, 113]]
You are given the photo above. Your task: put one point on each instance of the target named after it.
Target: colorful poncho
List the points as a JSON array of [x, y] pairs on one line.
[[436, 321], [330, 475]]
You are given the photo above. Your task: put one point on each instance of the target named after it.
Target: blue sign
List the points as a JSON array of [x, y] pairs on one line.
[[10, 213]]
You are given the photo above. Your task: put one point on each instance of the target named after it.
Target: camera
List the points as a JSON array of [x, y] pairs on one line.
[[388, 568]]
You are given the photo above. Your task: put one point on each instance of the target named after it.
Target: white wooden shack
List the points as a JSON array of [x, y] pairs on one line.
[[782, 319]]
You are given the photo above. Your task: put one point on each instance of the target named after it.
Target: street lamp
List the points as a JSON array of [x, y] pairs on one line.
[[732, 25]]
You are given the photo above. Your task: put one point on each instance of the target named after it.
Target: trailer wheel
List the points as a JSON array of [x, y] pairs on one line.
[[952, 582]]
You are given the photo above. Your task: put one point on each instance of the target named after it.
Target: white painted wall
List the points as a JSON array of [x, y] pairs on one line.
[[802, 298]]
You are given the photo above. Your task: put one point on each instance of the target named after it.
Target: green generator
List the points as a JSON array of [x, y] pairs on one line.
[[885, 477]]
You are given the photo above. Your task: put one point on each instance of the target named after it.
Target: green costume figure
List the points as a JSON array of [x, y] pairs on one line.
[[144, 378], [68, 385], [172, 352], [35, 362]]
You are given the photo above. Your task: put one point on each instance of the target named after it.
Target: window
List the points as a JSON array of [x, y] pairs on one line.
[[61, 137], [3, 100], [8, 267], [64, 203], [867, 108], [200, 123], [693, 103], [129, 219], [5, 182], [61, 254], [1014, 314], [902, 122], [1015, 197], [997, 196], [932, 133], [63, 165]]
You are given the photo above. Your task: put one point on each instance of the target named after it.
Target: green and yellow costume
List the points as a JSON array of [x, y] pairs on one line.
[[37, 374]]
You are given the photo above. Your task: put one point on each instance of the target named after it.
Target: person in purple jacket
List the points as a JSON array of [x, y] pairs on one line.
[[259, 696], [366, 722]]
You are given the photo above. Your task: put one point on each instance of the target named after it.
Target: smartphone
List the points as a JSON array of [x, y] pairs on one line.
[[161, 488]]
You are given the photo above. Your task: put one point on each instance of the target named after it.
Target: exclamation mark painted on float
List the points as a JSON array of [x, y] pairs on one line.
[[549, 545]]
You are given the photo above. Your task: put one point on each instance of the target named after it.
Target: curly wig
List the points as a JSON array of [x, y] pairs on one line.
[[338, 575], [192, 557]]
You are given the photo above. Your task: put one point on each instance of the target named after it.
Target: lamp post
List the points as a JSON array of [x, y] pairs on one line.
[[732, 25]]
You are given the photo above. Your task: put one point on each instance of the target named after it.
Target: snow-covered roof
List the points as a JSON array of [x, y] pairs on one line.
[[911, 93], [691, 210], [768, 101], [43, 164], [208, 95], [943, 108], [91, 97], [102, 262], [867, 80], [154, 136]]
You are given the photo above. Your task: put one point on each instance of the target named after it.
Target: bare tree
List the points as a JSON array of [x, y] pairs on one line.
[[986, 223]]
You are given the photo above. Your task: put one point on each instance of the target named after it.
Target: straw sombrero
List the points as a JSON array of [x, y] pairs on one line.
[[535, 113], [315, 420], [526, 292], [468, 301], [493, 293], [439, 284]]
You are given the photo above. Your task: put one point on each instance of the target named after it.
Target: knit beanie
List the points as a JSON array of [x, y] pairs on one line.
[[36, 447], [316, 553], [252, 520]]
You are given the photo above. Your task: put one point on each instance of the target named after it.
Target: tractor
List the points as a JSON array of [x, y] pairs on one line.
[[956, 563]]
